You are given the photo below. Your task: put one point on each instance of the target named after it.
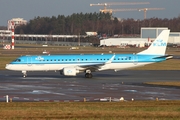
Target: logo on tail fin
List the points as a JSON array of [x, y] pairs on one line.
[[159, 43]]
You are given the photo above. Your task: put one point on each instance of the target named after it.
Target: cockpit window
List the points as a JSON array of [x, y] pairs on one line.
[[17, 60]]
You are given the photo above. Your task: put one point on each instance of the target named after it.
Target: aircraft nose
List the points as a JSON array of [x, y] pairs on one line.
[[7, 66]]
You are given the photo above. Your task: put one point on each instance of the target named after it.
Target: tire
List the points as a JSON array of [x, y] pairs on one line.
[[88, 75]]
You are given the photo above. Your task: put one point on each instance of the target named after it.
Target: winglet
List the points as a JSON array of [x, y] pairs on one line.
[[158, 47], [109, 61]]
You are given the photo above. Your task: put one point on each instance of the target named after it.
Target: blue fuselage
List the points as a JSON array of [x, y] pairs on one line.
[[86, 59]]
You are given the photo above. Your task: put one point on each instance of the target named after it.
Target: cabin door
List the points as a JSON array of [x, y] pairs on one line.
[[29, 60], [135, 59]]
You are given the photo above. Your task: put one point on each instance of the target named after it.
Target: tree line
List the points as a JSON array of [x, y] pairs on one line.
[[103, 23]]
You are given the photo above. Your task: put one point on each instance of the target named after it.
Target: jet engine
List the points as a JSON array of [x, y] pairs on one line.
[[68, 71]]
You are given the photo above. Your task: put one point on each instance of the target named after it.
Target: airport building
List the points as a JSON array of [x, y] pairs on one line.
[[148, 35], [122, 42], [174, 38]]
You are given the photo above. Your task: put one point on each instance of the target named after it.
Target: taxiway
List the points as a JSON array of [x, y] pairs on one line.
[[51, 86]]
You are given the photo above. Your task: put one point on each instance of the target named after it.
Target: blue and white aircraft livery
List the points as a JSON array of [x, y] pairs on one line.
[[71, 65]]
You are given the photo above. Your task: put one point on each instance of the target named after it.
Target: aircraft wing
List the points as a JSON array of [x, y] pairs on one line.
[[96, 66], [92, 67]]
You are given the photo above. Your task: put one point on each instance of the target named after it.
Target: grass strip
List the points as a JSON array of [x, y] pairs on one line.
[[171, 83], [140, 110]]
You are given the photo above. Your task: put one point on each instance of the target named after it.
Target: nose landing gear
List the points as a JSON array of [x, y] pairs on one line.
[[24, 74]]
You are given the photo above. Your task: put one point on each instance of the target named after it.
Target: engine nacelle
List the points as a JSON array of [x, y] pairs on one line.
[[70, 71]]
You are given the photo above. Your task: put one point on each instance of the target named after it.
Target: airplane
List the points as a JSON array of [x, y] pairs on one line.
[[72, 64]]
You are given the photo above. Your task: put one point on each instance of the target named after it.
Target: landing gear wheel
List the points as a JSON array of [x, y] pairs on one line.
[[88, 75], [24, 74]]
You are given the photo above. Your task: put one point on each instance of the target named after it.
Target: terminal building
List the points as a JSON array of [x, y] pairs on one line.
[[147, 36]]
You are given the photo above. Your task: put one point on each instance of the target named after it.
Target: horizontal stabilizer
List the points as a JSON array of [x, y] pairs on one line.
[[165, 56]]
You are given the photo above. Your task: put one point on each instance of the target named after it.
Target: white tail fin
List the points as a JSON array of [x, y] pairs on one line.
[[158, 47]]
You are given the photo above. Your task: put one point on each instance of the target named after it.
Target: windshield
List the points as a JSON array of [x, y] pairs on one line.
[[17, 60]]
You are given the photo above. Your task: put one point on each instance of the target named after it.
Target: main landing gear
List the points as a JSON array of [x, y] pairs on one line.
[[24, 74], [88, 74]]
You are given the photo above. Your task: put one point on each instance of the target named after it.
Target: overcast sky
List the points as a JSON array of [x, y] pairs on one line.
[[29, 9]]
